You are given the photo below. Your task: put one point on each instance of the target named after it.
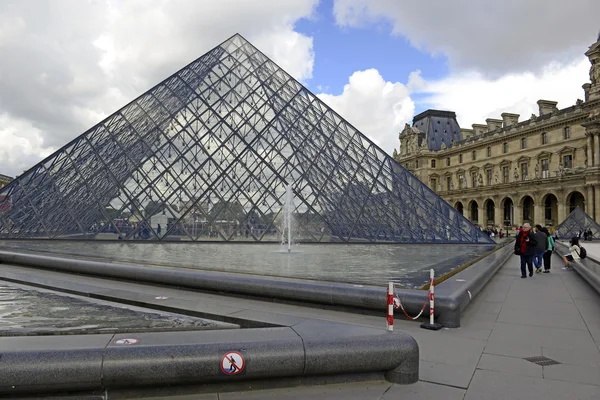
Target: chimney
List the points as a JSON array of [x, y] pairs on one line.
[[466, 133], [479, 129], [586, 90], [493, 124], [509, 119], [547, 106]]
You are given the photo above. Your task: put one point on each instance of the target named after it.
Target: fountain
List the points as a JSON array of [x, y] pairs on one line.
[[287, 219]]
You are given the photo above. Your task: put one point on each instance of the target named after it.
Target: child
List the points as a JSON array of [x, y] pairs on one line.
[[573, 254]]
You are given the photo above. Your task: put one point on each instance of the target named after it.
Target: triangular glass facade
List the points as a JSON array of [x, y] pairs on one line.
[[578, 221], [207, 154]]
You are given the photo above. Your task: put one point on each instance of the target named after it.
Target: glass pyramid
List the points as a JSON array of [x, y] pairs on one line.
[[207, 154], [578, 221]]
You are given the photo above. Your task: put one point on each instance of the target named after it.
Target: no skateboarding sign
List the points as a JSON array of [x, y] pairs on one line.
[[233, 363]]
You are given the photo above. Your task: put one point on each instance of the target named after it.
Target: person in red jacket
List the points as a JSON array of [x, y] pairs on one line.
[[525, 245]]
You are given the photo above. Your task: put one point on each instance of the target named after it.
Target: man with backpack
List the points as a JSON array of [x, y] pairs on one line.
[[542, 244]]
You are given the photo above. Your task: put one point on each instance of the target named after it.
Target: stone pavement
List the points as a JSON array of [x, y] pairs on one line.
[[554, 315]]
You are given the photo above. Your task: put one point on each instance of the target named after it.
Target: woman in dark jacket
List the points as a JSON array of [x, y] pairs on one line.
[[525, 245]]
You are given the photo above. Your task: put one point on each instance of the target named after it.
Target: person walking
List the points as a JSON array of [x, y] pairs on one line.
[[540, 249], [525, 245], [549, 250]]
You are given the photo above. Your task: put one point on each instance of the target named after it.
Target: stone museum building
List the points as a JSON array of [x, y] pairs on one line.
[[510, 171], [4, 180]]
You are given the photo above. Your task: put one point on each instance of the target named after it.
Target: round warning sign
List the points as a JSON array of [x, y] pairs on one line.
[[127, 341], [232, 363]]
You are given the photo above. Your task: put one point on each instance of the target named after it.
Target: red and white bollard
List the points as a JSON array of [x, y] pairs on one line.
[[431, 325], [390, 307]]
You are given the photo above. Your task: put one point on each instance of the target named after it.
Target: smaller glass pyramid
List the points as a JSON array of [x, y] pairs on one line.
[[578, 221]]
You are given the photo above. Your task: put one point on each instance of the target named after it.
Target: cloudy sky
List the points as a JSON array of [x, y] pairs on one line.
[[67, 64]]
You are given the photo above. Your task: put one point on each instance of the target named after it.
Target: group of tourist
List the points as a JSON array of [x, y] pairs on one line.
[[535, 249]]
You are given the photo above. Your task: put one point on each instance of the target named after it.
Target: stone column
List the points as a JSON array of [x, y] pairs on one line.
[[596, 149], [562, 211], [517, 214], [482, 221], [498, 214], [589, 151], [597, 202], [538, 213], [589, 201]]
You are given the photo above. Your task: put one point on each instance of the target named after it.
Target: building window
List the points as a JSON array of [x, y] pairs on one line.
[[544, 138], [548, 209], [524, 176], [568, 161], [461, 181], [474, 155], [489, 151], [488, 174], [434, 184], [523, 143], [545, 168], [447, 161], [567, 132], [449, 183], [505, 147], [474, 180], [505, 174], [416, 163], [432, 163], [460, 158]]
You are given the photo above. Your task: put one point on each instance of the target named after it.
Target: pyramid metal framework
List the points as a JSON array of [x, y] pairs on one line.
[[206, 155], [578, 221]]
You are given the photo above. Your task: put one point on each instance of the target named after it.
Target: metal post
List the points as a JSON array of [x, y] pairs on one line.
[[390, 307], [431, 325], [289, 215]]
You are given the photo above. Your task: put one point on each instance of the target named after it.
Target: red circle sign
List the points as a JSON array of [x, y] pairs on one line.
[[232, 363]]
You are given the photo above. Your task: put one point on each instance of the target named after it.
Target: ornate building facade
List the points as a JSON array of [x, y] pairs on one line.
[[4, 180], [507, 172]]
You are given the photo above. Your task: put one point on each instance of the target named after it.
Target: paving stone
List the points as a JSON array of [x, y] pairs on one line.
[[491, 385], [355, 390], [509, 365], [537, 335], [589, 357], [542, 317], [573, 373], [450, 349], [446, 374], [424, 390], [513, 350]]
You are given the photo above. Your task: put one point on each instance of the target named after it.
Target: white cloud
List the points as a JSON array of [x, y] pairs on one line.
[[68, 64], [374, 106], [21, 145], [379, 109], [504, 56], [493, 37], [475, 98]]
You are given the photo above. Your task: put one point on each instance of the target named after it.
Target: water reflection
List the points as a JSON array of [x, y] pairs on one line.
[[405, 264], [26, 310]]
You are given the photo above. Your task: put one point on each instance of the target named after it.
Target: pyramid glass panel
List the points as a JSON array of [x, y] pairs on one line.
[[578, 221], [207, 155]]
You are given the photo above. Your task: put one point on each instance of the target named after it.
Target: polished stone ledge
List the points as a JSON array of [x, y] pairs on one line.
[[54, 364], [588, 268], [452, 295]]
